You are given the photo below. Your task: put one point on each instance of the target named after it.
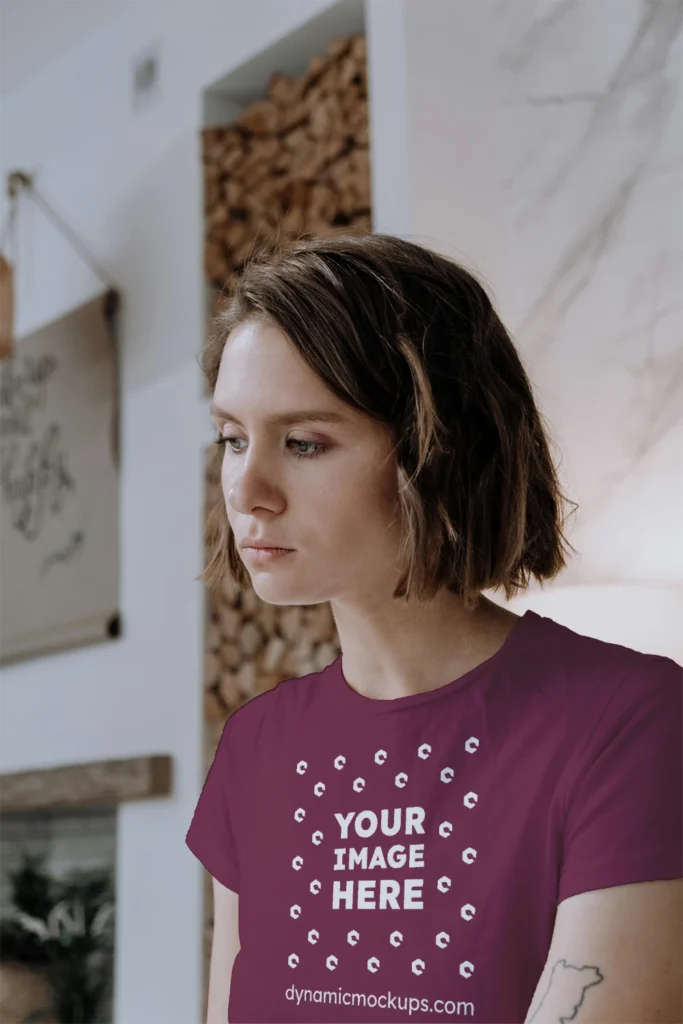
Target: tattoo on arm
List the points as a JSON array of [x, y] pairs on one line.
[[573, 982]]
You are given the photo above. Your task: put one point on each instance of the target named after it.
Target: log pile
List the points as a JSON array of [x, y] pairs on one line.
[[293, 164]]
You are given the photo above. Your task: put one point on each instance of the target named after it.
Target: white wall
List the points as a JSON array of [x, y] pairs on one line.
[[37, 33], [590, 147], [545, 152], [130, 186]]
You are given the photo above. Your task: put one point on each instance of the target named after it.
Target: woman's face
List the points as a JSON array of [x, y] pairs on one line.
[[325, 489]]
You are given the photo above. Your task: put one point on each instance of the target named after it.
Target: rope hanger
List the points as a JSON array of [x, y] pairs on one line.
[[18, 181]]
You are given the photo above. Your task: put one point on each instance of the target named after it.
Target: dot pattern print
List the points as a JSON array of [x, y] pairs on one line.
[[342, 842]]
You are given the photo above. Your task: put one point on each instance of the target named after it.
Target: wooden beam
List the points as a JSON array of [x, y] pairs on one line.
[[92, 784]]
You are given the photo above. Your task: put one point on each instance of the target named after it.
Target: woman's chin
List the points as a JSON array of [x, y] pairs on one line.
[[276, 591]]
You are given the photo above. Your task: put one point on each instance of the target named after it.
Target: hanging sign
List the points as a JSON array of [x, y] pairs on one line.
[[59, 484]]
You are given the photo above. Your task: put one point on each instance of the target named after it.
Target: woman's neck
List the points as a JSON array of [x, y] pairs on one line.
[[401, 648]]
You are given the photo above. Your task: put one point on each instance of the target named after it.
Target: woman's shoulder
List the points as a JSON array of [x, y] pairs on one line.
[[588, 669]]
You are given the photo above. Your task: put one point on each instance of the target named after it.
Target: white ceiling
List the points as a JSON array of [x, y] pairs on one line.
[[35, 32]]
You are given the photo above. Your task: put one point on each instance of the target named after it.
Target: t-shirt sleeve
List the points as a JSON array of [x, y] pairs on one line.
[[211, 836], [624, 817]]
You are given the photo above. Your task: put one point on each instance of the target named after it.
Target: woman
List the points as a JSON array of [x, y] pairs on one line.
[[429, 828]]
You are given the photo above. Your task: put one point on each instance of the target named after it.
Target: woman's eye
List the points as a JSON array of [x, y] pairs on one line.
[[311, 448]]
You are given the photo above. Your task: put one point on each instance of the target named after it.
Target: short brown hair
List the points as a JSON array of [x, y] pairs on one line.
[[411, 338]]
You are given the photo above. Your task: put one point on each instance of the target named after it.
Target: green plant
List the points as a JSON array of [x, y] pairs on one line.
[[66, 927]]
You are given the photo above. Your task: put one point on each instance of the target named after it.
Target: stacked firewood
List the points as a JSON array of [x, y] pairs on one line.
[[294, 163]]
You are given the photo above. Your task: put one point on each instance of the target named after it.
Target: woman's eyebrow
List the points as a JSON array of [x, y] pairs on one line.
[[285, 418]]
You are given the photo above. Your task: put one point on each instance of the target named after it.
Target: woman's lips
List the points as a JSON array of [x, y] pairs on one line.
[[264, 556]]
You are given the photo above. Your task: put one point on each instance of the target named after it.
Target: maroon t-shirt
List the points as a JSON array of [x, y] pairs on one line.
[[403, 860]]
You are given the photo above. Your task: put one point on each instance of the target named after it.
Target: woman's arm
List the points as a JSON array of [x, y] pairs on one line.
[[224, 949]]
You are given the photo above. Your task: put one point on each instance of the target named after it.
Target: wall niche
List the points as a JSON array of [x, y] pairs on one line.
[[285, 152]]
